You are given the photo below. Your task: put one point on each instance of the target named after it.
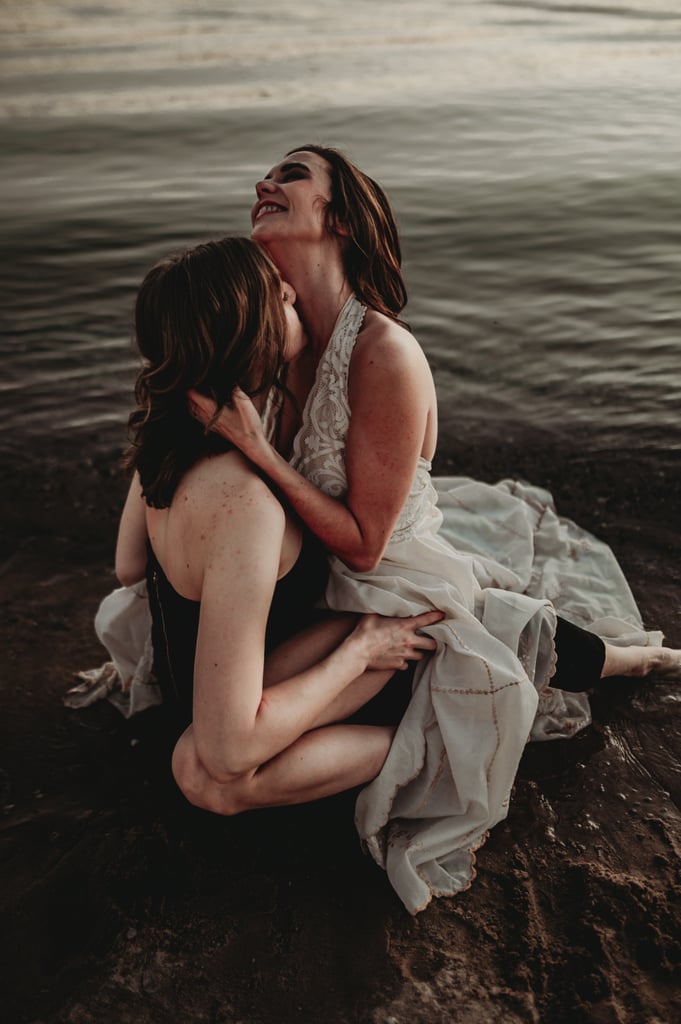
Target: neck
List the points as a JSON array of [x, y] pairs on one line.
[[322, 289]]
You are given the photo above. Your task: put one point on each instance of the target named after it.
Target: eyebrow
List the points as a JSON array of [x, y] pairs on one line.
[[292, 165]]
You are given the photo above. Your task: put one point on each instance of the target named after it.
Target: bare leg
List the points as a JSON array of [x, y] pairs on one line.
[[327, 759], [322, 762], [640, 661]]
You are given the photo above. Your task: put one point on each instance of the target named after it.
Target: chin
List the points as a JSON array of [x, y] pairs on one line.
[[262, 226]]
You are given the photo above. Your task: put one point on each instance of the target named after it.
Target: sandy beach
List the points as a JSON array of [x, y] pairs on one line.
[[122, 904]]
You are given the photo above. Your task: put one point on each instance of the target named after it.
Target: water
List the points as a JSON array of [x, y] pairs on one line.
[[531, 151]]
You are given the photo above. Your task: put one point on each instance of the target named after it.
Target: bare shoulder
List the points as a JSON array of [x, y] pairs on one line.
[[387, 351], [391, 388], [224, 489], [223, 520], [386, 343]]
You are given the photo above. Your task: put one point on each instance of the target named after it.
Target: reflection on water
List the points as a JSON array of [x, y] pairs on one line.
[[541, 225]]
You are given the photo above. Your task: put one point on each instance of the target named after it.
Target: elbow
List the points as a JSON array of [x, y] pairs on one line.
[[363, 561], [130, 570], [126, 578], [232, 770], [228, 794], [367, 550], [230, 762]]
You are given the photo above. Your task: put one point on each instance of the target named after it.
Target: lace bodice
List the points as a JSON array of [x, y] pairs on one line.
[[319, 446]]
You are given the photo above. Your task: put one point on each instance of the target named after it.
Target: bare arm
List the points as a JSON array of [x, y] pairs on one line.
[[391, 395], [131, 551], [237, 725]]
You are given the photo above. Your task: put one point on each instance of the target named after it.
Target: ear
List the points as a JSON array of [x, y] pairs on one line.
[[340, 228]]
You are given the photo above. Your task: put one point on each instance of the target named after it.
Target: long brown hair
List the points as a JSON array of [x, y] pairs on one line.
[[210, 318], [372, 255]]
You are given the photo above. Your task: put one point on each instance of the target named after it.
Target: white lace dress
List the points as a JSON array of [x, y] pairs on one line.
[[500, 563]]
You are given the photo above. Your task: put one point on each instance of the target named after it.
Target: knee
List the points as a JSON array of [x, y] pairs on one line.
[[226, 796]]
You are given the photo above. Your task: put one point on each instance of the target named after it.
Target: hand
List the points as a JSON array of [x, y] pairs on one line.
[[241, 424], [393, 642]]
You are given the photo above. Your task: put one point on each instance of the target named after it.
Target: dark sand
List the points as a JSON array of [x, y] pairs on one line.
[[122, 904]]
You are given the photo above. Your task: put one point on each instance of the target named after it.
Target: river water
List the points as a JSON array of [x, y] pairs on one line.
[[531, 151]]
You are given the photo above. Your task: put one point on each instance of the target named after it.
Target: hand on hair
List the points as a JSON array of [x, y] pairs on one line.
[[240, 424]]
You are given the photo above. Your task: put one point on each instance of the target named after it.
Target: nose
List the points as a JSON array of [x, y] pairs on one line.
[[264, 187]]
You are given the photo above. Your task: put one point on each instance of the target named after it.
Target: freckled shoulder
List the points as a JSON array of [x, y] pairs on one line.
[[225, 487]]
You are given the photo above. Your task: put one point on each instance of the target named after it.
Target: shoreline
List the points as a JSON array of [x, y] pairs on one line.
[[122, 904]]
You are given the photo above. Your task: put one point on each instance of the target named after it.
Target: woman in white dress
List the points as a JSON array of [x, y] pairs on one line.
[[505, 569]]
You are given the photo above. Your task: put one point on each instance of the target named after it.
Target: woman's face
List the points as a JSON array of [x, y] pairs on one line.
[[292, 200], [296, 339]]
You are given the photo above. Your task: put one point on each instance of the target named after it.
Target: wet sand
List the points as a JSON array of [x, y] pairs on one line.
[[122, 904]]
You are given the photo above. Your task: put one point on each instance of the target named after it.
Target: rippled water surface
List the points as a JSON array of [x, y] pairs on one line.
[[531, 150]]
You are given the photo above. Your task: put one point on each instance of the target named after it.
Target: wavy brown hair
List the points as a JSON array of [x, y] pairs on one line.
[[210, 318], [372, 255]]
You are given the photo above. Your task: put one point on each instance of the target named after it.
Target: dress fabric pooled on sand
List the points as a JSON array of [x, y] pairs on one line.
[[501, 564]]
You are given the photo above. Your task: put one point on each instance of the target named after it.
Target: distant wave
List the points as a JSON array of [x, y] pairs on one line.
[[73, 58]]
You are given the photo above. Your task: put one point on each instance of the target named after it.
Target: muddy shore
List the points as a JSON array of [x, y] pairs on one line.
[[120, 904]]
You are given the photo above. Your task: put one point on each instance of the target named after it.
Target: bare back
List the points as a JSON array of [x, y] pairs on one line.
[[387, 348], [222, 507]]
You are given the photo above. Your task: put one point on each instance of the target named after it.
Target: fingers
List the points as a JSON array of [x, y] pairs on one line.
[[395, 641], [421, 643], [427, 619], [424, 643], [418, 622], [201, 408], [417, 649]]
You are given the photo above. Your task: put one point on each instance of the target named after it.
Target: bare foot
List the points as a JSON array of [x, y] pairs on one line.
[[665, 661], [640, 662]]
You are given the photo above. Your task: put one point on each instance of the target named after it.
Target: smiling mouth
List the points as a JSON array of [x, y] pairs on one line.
[[268, 208]]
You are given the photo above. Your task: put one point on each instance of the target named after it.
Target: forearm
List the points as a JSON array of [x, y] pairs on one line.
[[308, 648], [355, 696], [324, 693], [328, 518]]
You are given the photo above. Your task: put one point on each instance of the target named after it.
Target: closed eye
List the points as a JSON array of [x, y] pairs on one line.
[[292, 171]]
